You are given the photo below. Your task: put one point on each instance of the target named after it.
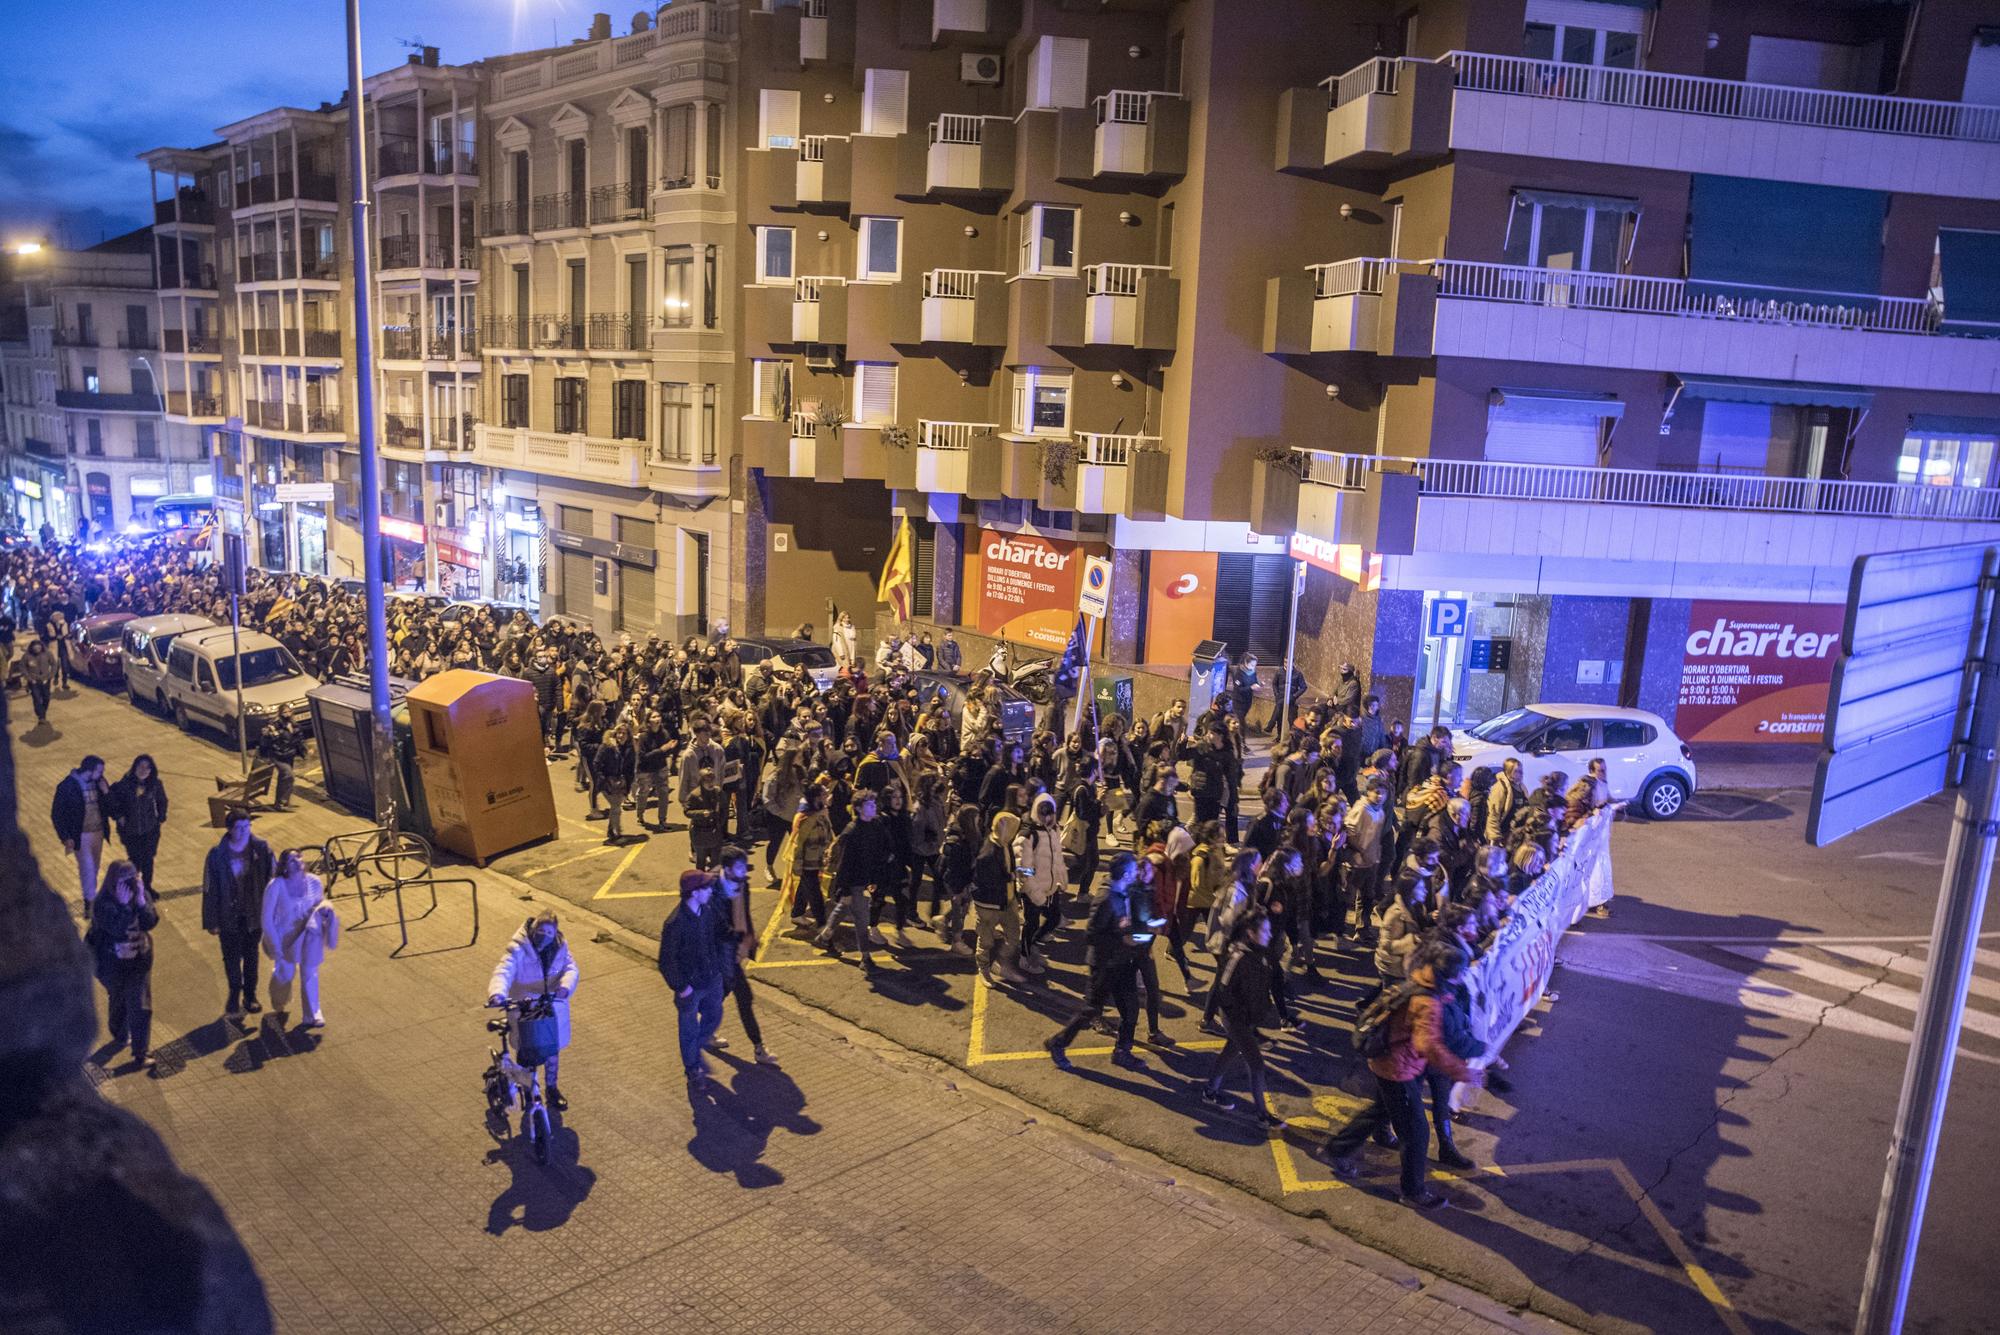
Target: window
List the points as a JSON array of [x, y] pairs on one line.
[[144, 446], [513, 400], [774, 254], [628, 410], [709, 423], [1041, 402], [677, 147], [1620, 733], [885, 102], [93, 437], [1947, 459], [1048, 240], [1584, 32], [1561, 231], [90, 382], [677, 294], [874, 393], [675, 408], [570, 409], [770, 387], [711, 308], [1568, 735], [778, 118], [881, 249]]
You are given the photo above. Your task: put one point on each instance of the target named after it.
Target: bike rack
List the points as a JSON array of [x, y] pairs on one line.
[[431, 882], [383, 861]]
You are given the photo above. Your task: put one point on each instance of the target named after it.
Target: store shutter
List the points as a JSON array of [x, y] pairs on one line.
[[1270, 605], [926, 564], [576, 585], [1520, 433], [637, 610]]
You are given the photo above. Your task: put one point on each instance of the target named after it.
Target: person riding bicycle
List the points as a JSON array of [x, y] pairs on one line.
[[537, 962]]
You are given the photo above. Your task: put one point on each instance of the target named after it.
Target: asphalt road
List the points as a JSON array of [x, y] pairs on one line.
[[1699, 1119]]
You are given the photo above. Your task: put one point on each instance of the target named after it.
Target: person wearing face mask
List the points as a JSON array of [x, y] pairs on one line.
[[122, 918], [233, 879], [538, 963], [299, 926]]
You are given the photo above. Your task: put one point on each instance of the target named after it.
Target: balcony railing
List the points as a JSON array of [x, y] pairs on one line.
[[1650, 90], [403, 156], [618, 333], [951, 435], [263, 343], [322, 343], [1125, 107], [284, 185], [1116, 280], [181, 403], [808, 289], [1673, 490], [956, 284], [618, 203], [953, 128], [1384, 74], [402, 433], [1691, 298], [400, 343], [180, 340], [138, 340], [199, 278], [192, 209], [507, 331], [323, 420], [1348, 278], [264, 268], [558, 331], [1095, 447], [558, 211], [506, 217]]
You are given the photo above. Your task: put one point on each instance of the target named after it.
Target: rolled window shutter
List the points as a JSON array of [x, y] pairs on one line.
[[778, 117], [885, 103]]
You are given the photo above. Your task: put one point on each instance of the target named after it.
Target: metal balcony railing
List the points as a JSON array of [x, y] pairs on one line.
[[181, 403], [323, 420], [1570, 483], [138, 340], [1347, 278], [1384, 74], [1124, 107], [180, 340], [618, 203], [400, 432], [322, 343], [951, 435], [956, 284], [506, 217], [1116, 280], [1094, 447], [507, 331], [808, 289], [200, 277], [558, 211], [618, 333], [953, 128], [558, 331], [187, 209], [401, 343]]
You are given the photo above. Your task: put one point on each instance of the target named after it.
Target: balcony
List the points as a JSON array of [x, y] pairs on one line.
[[623, 202], [555, 213], [195, 210], [453, 344], [320, 344], [1650, 532], [199, 343], [551, 333], [409, 252], [181, 403], [505, 217], [1333, 307], [591, 458], [819, 307], [1515, 313], [98, 402], [139, 340], [1130, 305], [265, 268], [67, 336], [507, 331], [943, 449], [965, 306], [401, 343], [1104, 470], [280, 187], [402, 432], [970, 155], [1385, 109], [618, 333], [402, 156], [826, 169], [200, 278], [1140, 134]]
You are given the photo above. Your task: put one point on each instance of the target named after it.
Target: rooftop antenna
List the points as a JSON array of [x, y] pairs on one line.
[[416, 43]]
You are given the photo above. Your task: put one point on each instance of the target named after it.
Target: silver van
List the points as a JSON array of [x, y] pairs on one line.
[[145, 645], [201, 680]]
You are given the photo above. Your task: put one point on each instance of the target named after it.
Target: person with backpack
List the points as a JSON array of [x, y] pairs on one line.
[[1244, 985], [1040, 872], [999, 907], [1119, 928], [1402, 1037], [957, 865], [811, 834]]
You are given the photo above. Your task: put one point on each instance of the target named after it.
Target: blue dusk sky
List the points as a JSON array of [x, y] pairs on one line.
[[92, 83]]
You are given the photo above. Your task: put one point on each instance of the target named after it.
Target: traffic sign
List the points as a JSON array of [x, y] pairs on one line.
[[1447, 618], [1095, 596], [1903, 687]]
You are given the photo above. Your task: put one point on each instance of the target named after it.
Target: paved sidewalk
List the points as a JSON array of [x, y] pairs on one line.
[[853, 1188]]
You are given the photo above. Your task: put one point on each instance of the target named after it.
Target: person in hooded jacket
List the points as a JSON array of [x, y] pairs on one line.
[[997, 937], [120, 937], [138, 807], [1244, 987], [1040, 872], [537, 962]]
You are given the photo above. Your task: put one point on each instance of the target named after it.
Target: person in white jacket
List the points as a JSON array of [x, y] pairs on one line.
[[1040, 873], [844, 641], [300, 926], [538, 961]]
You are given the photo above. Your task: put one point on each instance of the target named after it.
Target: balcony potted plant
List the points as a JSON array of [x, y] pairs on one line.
[[1146, 483], [899, 457], [825, 445], [985, 468], [1056, 489], [1274, 491]]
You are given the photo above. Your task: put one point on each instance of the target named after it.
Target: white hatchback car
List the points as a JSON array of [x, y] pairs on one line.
[[1647, 764]]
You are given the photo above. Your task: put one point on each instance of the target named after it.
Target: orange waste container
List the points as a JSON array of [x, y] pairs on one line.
[[478, 742]]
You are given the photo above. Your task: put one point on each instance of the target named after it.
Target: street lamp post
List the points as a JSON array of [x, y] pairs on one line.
[[381, 728]]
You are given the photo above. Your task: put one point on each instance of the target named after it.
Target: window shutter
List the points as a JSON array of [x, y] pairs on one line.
[[885, 102], [875, 392], [778, 117], [1059, 74], [926, 568]]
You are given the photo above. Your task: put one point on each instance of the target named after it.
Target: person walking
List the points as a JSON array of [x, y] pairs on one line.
[[280, 745], [997, 933], [538, 963], [1117, 926], [299, 927], [811, 833], [1411, 1042], [957, 864], [233, 879], [38, 671], [864, 856], [78, 812], [1245, 991], [732, 872], [120, 937], [138, 805], [612, 768], [694, 960]]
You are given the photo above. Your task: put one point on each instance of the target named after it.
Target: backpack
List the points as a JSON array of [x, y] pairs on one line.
[[992, 875], [829, 866], [1371, 1026]]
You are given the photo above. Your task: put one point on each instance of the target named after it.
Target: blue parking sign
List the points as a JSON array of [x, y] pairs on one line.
[[1447, 618]]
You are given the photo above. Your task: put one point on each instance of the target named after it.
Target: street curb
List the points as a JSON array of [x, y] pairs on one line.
[[1214, 1192]]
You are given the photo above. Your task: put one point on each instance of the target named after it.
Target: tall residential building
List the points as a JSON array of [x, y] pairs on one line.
[[87, 437]]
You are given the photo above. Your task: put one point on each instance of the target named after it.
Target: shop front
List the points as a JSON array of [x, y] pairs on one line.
[[519, 572], [403, 554], [1467, 657], [459, 565], [309, 532]]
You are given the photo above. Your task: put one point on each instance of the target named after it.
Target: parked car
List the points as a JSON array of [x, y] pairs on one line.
[[1017, 711], [814, 657], [94, 648], [145, 645], [201, 680], [1645, 762]]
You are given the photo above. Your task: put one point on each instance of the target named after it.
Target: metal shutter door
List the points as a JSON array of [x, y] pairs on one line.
[[576, 585], [926, 568], [1233, 575], [1526, 436], [635, 600]]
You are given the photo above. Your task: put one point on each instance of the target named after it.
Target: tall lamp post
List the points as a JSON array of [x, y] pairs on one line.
[[381, 728]]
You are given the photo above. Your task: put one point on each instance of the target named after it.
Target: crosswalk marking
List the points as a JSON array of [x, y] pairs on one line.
[[1903, 998], [1910, 962]]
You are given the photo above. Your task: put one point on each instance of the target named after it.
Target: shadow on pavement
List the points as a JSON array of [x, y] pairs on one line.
[[733, 1122], [541, 1196]]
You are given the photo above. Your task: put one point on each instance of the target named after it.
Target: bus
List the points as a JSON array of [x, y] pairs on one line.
[[184, 519]]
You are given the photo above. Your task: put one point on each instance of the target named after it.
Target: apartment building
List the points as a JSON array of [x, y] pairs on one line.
[[86, 434], [608, 348]]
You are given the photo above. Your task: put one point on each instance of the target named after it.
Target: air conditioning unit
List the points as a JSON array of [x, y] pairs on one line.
[[976, 68], [823, 356]]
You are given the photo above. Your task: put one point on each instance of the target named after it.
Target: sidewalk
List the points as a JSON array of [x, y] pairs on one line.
[[357, 1167], [1753, 765]]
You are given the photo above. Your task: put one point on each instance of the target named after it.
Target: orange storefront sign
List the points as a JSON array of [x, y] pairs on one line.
[[1180, 604]]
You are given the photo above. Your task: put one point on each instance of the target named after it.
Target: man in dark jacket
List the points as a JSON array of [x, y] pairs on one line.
[[280, 745], [78, 813], [866, 851], [1347, 692], [1244, 992], [232, 906], [1119, 912], [541, 675], [694, 959], [611, 767]]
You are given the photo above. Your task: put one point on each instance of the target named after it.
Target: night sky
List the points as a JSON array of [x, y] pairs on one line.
[[91, 83]]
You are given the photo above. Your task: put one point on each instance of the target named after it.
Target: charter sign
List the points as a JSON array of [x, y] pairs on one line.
[[1757, 672]]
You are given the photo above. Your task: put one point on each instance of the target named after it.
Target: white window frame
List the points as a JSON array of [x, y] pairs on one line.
[[862, 271], [1029, 383], [866, 377], [677, 269], [777, 109], [1032, 228], [885, 101], [1621, 255], [764, 274], [676, 414], [1916, 462], [766, 379]]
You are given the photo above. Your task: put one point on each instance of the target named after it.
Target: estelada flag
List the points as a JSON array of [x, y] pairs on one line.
[[899, 575]]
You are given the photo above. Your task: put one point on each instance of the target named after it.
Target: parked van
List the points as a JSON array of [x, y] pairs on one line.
[[201, 680], [145, 646]]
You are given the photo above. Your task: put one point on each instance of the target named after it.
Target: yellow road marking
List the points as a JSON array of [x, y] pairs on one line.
[[631, 856], [791, 964], [593, 853], [771, 927], [975, 1050], [771, 933], [1698, 1275]]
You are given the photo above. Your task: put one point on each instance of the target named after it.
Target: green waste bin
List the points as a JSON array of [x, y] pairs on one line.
[[1112, 695]]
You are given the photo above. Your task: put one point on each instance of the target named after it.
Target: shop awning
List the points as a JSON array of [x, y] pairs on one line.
[[1969, 264], [1935, 424], [1560, 404], [1785, 238], [1566, 199], [1774, 391]]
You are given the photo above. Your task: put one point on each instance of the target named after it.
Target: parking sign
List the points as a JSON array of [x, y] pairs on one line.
[[1447, 618], [1095, 595]]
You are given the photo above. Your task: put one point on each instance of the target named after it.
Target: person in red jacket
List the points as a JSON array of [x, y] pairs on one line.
[[1416, 1044]]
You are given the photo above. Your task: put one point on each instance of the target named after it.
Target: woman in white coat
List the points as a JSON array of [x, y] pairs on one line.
[[299, 928], [538, 961]]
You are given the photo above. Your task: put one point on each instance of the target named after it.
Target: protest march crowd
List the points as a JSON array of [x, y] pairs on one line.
[[873, 804]]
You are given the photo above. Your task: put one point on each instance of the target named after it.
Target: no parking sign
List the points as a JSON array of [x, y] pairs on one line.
[[1095, 595]]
